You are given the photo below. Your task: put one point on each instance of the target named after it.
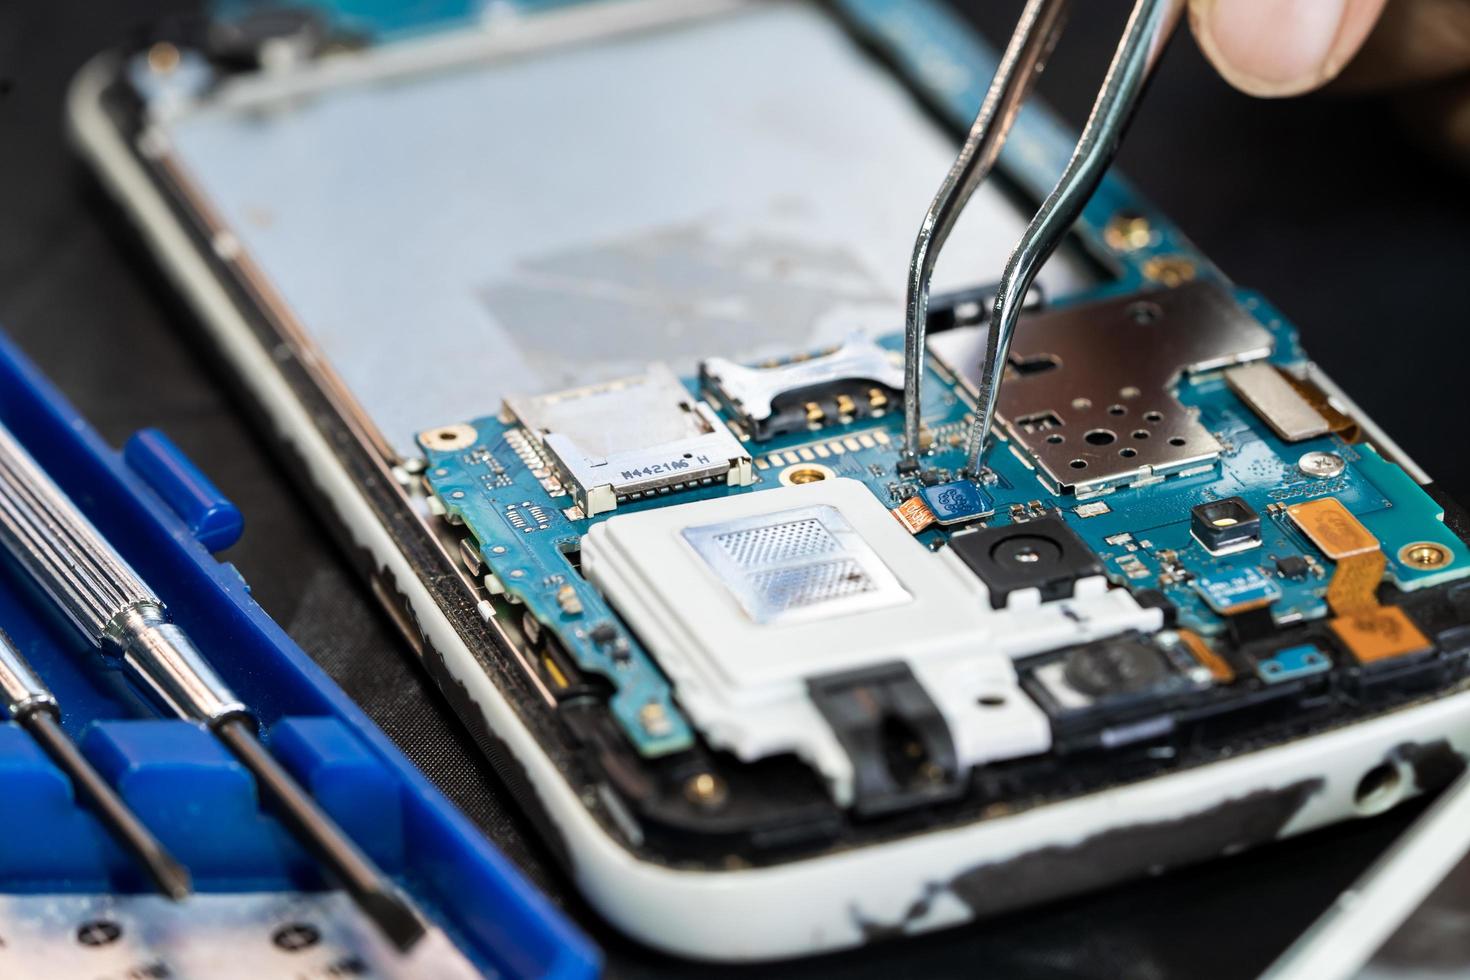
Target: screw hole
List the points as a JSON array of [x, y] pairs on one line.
[[1424, 554], [1117, 410], [1056, 438], [1380, 788], [1127, 452], [804, 474], [1153, 416], [1078, 464], [1177, 441], [991, 701], [1140, 433], [1100, 437]]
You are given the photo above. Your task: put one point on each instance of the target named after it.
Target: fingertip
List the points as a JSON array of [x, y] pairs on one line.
[[1276, 48]]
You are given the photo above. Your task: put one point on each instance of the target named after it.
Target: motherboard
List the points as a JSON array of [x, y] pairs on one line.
[[1182, 541]]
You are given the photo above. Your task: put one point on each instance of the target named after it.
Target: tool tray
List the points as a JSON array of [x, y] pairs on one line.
[[167, 520]]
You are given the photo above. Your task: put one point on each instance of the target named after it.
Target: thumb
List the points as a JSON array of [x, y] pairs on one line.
[[1281, 47]]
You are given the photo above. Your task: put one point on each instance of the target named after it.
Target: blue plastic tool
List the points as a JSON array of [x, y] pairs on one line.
[[211, 517], [166, 518]]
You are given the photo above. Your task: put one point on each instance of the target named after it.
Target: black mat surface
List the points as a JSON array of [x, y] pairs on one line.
[[1359, 237]]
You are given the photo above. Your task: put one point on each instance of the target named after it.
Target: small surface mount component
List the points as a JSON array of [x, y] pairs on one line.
[[1044, 554], [857, 380], [1293, 567], [1225, 526], [1097, 414], [958, 502], [631, 438]]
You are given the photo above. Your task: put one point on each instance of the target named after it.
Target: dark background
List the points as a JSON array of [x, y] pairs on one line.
[[1324, 204]]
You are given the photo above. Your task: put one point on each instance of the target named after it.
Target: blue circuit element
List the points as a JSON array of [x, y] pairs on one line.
[[1292, 663], [1238, 590], [155, 507], [957, 502]]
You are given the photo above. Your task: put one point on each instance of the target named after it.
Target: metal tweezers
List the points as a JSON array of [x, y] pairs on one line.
[[1149, 28]]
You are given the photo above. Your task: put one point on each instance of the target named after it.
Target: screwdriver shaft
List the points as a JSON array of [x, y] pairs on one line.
[[356, 872], [123, 618], [171, 877], [30, 703]]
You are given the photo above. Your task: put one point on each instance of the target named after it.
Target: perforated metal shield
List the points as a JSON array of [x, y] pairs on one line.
[[797, 564]]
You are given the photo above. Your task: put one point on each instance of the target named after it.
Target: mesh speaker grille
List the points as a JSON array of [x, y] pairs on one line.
[[777, 543], [796, 564], [806, 585]]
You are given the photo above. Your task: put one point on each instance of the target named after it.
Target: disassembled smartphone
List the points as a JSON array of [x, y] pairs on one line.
[[584, 324]]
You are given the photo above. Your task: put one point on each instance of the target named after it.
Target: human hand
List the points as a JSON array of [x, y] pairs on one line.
[[1417, 48]]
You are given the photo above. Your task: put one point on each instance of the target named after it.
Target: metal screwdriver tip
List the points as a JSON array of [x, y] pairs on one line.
[[171, 877], [372, 890], [125, 620]]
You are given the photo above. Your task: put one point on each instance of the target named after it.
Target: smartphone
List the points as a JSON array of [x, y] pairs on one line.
[[582, 322]]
